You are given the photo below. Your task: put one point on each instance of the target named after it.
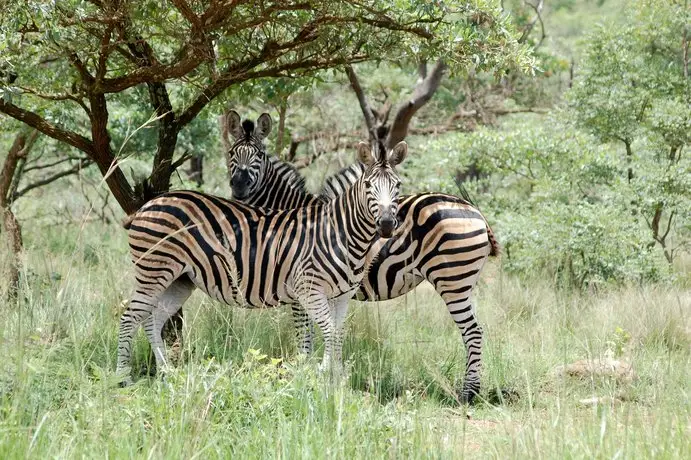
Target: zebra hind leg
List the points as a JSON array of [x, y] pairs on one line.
[[140, 308], [463, 313], [169, 302], [304, 330]]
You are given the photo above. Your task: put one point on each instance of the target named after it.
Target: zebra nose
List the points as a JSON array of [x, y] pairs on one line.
[[240, 178], [387, 226]]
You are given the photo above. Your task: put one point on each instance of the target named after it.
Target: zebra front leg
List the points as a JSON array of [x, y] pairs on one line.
[[304, 330], [316, 304]]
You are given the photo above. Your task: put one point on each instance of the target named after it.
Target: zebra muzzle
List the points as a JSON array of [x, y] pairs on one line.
[[386, 226], [240, 184]]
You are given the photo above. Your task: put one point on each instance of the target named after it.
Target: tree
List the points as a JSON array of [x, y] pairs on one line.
[[96, 54], [27, 168], [634, 90]]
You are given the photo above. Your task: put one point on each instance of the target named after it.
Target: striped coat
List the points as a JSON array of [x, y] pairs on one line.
[[441, 238], [239, 254]]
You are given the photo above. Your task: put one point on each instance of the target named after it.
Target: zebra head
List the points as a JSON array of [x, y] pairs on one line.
[[382, 184], [247, 157]]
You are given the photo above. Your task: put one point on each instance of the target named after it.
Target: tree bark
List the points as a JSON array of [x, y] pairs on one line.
[[105, 159], [422, 94], [282, 109], [629, 158], [364, 105], [20, 148]]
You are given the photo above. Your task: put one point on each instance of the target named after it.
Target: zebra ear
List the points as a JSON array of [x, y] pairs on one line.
[[398, 153], [263, 126], [364, 153], [235, 125]]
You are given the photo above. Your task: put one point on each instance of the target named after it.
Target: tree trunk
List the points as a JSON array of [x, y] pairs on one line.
[[14, 237], [281, 127], [196, 171], [20, 148], [629, 159]]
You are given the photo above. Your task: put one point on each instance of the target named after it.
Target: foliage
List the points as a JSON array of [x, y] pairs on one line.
[[645, 109], [174, 59], [600, 189], [559, 200]]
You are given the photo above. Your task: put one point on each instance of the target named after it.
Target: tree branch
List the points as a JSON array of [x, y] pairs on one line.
[[364, 105], [529, 28], [422, 94], [229, 78], [83, 163], [35, 121]]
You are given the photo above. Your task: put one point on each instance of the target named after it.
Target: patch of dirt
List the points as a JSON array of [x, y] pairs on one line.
[[604, 367]]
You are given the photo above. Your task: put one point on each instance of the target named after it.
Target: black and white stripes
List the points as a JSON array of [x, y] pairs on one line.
[[239, 254], [442, 239]]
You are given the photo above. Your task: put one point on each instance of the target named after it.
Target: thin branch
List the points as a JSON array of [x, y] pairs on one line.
[[538, 18], [184, 8], [50, 165], [83, 163], [230, 78], [669, 225], [177, 163], [364, 105], [35, 121]]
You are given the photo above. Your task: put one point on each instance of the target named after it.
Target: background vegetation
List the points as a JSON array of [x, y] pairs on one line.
[[568, 121]]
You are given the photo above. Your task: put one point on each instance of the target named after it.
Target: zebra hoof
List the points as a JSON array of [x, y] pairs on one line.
[[125, 382], [470, 391], [468, 398]]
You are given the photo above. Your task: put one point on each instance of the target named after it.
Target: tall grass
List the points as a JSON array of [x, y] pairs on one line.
[[241, 390]]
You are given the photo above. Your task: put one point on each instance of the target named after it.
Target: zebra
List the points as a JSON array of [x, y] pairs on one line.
[[256, 257], [255, 178], [442, 238]]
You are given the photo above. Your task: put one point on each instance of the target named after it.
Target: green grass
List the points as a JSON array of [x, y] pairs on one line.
[[232, 397]]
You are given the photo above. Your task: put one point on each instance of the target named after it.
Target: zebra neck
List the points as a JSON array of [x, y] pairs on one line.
[[337, 184], [357, 222], [280, 187]]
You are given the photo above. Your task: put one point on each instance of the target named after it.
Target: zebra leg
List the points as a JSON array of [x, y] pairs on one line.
[[463, 313], [316, 304], [339, 307], [140, 308], [304, 330], [170, 301]]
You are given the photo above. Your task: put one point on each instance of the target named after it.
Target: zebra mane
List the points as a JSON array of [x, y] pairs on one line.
[[248, 128], [289, 174], [335, 185]]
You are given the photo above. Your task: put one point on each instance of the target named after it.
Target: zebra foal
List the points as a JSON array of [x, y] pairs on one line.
[[255, 257]]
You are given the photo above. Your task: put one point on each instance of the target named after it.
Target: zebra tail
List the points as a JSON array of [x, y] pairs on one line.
[[495, 248], [127, 221], [147, 193]]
